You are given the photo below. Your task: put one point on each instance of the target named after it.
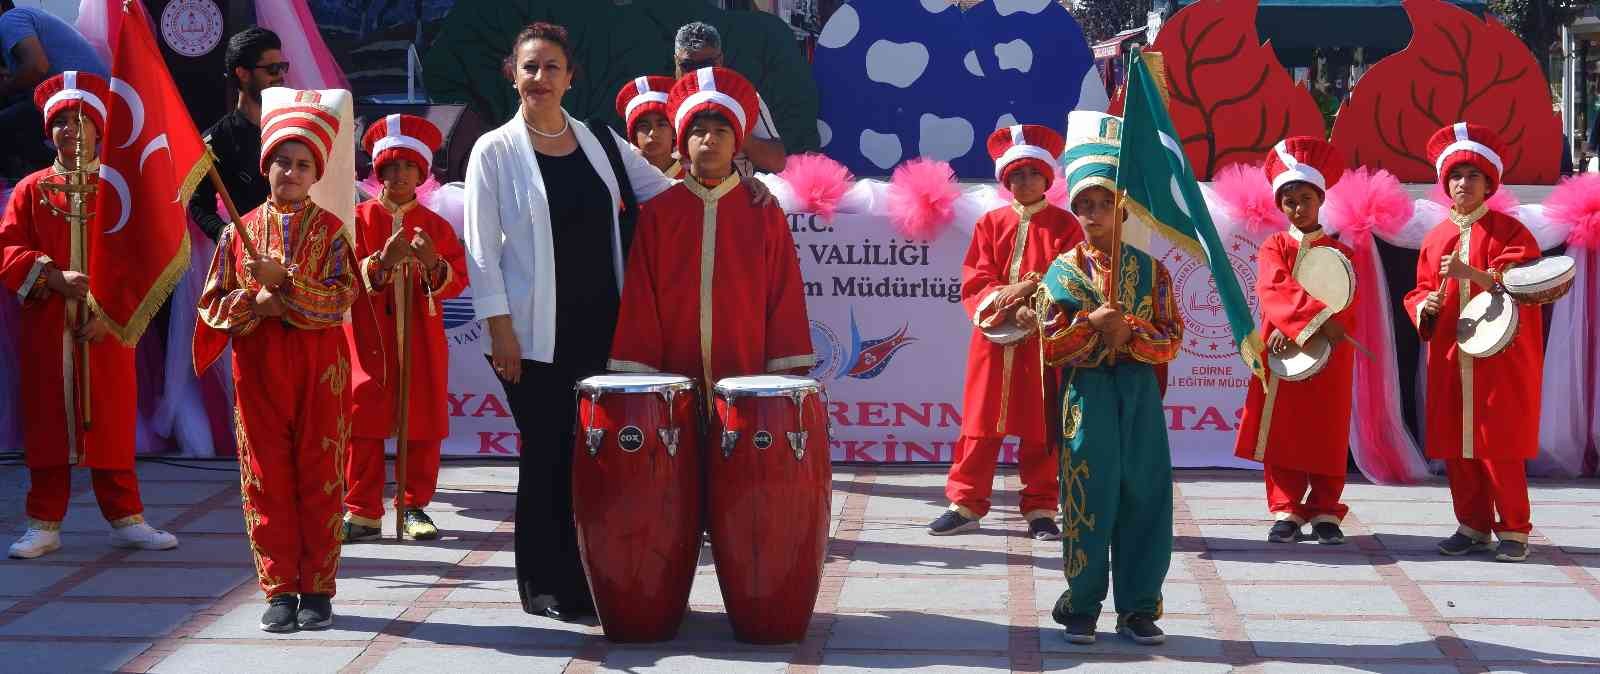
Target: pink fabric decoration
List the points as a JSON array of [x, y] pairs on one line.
[[314, 66], [922, 196], [1575, 203], [1366, 202], [1502, 201], [94, 23], [1246, 195], [1361, 204], [818, 183]]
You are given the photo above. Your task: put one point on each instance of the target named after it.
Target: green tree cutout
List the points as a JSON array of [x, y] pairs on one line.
[[612, 45]]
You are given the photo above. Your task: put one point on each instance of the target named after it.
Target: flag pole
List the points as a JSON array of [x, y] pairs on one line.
[[233, 212]]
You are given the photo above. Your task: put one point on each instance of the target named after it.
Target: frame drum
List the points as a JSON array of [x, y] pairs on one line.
[[1487, 324], [1540, 281], [1301, 362], [1327, 275]]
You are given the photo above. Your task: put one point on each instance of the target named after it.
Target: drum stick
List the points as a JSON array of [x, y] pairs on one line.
[[1359, 347]]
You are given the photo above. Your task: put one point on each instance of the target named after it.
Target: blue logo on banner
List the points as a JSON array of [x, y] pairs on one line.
[[865, 359]]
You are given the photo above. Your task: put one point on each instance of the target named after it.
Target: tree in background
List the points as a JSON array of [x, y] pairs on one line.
[[1102, 19], [1539, 22]]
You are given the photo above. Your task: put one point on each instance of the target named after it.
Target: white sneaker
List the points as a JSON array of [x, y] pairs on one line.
[[142, 536], [36, 543]]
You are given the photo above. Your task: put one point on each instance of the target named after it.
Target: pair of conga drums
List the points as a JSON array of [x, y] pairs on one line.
[[648, 479]]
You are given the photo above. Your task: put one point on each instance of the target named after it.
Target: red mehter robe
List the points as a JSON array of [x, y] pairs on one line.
[[1003, 395], [1484, 408], [1300, 425], [31, 235], [374, 324], [713, 288]]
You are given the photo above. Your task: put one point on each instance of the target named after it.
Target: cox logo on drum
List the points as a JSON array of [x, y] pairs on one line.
[[630, 438]]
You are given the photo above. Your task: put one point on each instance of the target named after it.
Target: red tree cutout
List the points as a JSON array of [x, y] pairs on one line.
[[1231, 100], [1457, 68]]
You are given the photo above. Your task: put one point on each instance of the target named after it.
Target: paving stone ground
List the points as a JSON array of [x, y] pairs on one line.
[[893, 598]]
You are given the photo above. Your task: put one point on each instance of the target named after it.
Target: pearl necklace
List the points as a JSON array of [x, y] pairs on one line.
[[564, 125]]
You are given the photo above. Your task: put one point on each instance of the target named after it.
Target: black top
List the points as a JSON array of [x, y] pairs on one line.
[[236, 141], [587, 296]]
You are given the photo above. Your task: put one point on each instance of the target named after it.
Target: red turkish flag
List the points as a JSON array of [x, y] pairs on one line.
[[151, 158]]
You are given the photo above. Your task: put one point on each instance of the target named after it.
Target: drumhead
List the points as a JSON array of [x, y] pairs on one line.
[[1297, 363], [1539, 275], [767, 385], [1006, 333], [1487, 324], [1327, 275], [635, 383]]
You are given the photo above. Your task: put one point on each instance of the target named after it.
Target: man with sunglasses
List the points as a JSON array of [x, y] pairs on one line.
[[698, 45], [255, 63]]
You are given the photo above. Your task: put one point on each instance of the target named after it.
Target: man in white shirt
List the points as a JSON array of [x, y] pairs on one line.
[[699, 45]]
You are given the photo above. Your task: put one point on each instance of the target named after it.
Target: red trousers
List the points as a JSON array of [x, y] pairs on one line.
[[971, 477], [1288, 500], [117, 492], [293, 408], [1480, 488], [364, 477]]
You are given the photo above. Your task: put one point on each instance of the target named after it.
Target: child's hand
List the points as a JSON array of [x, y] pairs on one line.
[[1277, 342], [1430, 306], [73, 285], [1105, 317], [422, 247], [268, 272], [268, 304], [759, 194], [93, 330], [395, 250]]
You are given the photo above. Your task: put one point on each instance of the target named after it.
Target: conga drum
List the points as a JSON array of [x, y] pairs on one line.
[[768, 490], [636, 494]]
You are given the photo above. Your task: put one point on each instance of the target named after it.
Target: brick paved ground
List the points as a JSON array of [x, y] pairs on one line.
[[893, 597]]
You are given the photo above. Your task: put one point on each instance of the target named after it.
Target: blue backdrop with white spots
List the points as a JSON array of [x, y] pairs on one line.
[[901, 79]]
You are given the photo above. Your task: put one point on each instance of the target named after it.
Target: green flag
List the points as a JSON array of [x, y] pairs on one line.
[[1159, 188]]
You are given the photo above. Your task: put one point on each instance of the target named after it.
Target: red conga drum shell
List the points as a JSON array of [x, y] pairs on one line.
[[767, 508], [637, 506]]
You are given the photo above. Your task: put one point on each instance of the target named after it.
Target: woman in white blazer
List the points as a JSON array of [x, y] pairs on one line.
[[545, 259]]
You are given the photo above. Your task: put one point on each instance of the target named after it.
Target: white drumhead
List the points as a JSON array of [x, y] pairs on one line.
[[635, 383], [1297, 363], [1327, 275], [1006, 333], [766, 385], [1539, 275], [1487, 324]]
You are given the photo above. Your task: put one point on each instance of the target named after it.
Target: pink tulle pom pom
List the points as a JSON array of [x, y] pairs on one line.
[[374, 187], [1576, 203], [922, 197], [1366, 201], [1502, 201], [818, 183], [1056, 195], [1247, 195]]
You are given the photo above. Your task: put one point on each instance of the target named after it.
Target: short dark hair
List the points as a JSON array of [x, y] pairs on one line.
[[696, 36], [540, 30], [713, 115], [247, 46]]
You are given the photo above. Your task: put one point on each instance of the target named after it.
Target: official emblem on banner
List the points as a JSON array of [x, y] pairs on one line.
[[191, 27], [1207, 333]]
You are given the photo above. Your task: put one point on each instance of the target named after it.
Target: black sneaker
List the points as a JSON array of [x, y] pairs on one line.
[[316, 612], [419, 527], [355, 533], [1141, 628], [1459, 544], [567, 612], [280, 614], [1080, 629], [1284, 531], [1328, 533], [951, 522], [1511, 551], [1044, 529]]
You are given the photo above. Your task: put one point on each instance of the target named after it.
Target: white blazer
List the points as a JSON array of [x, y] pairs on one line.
[[510, 256]]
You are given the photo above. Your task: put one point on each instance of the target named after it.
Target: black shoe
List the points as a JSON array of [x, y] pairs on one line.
[[280, 614], [1511, 551], [419, 527], [1141, 628], [355, 533], [951, 522], [1284, 531], [567, 613], [1080, 629], [1044, 529], [1328, 533], [1459, 544], [316, 612]]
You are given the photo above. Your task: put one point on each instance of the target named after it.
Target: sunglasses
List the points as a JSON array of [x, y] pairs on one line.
[[273, 69]]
